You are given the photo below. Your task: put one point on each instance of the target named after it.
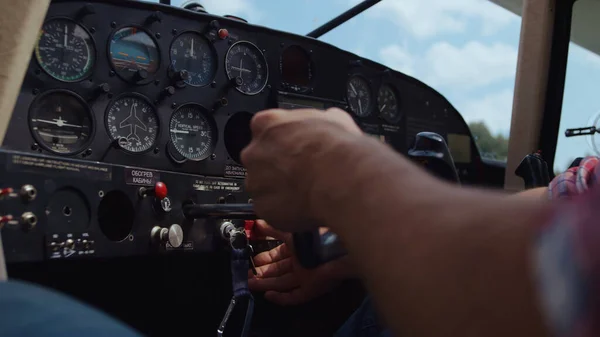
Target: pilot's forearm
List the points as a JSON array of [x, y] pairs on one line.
[[439, 260]]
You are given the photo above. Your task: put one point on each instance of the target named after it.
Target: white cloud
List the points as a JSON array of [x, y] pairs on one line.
[[472, 65], [398, 59], [245, 9], [495, 109], [427, 18]]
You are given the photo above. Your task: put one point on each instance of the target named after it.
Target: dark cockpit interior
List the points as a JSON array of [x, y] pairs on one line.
[[121, 167]]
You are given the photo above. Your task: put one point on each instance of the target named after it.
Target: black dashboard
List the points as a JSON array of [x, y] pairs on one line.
[[159, 87], [123, 98]]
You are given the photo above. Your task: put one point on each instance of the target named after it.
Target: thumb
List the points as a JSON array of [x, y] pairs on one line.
[[262, 229]]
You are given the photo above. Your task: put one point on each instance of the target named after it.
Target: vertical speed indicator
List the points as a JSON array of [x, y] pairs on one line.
[[192, 132]]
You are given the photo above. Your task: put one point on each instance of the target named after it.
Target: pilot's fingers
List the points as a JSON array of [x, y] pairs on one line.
[[285, 282], [262, 229], [275, 269], [276, 254], [294, 297]]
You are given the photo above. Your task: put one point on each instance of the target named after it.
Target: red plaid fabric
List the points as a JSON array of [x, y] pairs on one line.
[[575, 180]]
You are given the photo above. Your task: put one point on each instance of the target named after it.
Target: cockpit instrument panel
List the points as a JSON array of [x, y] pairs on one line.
[[143, 84]]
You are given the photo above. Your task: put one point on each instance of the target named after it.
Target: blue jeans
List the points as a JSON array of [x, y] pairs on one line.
[[27, 310], [363, 323]]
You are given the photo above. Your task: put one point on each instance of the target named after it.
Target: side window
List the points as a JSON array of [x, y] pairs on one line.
[[581, 102]]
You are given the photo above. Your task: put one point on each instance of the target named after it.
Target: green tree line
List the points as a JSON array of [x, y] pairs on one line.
[[490, 146]]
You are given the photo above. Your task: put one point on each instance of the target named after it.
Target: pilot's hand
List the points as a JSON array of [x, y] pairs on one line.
[[292, 154], [283, 279]]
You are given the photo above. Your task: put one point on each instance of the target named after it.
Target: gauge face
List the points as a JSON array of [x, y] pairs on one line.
[[65, 50], [193, 53], [387, 102], [296, 66], [134, 54], [192, 132], [359, 96], [61, 122], [132, 121], [246, 61]]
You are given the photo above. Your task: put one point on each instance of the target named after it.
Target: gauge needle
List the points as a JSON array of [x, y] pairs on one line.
[[241, 70], [66, 32], [58, 122], [353, 89], [179, 131], [192, 49], [383, 107], [359, 106]]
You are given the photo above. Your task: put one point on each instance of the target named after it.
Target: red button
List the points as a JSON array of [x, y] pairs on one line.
[[223, 33], [160, 190]]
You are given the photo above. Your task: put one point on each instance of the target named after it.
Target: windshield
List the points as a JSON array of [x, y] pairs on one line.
[[465, 49], [581, 103]]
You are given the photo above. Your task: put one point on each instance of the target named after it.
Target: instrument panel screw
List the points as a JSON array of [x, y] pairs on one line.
[[157, 35], [113, 24], [156, 82], [93, 30], [88, 152], [173, 105], [213, 84], [174, 31], [213, 156], [156, 150], [282, 44], [101, 194], [36, 91], [269, 87], [34, 146], [112, 73]]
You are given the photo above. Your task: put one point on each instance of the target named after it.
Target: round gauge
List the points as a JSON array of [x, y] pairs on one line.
[[65, 50], [359, 97], [193, 53], [295, 66], [247, 64], [387, 102], [193, 132], [61, 122], [132, 121], [134, 54]]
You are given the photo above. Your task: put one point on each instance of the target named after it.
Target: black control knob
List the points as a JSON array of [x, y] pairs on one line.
[[87, 9], [101, 89], [214, 24], [430, 150], [140, 75], [172, 236], [181, 76], [166, 92], [236, 82], [154, 17]]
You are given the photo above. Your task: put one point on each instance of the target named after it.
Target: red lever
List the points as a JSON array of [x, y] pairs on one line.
[[159, 190]]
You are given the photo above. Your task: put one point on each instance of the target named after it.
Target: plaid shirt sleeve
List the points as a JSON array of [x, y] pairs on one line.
[[567, 254]]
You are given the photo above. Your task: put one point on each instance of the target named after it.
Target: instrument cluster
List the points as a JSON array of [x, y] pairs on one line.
[[160, 87]]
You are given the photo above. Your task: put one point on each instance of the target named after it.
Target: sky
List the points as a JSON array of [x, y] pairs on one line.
[[465, 49]]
